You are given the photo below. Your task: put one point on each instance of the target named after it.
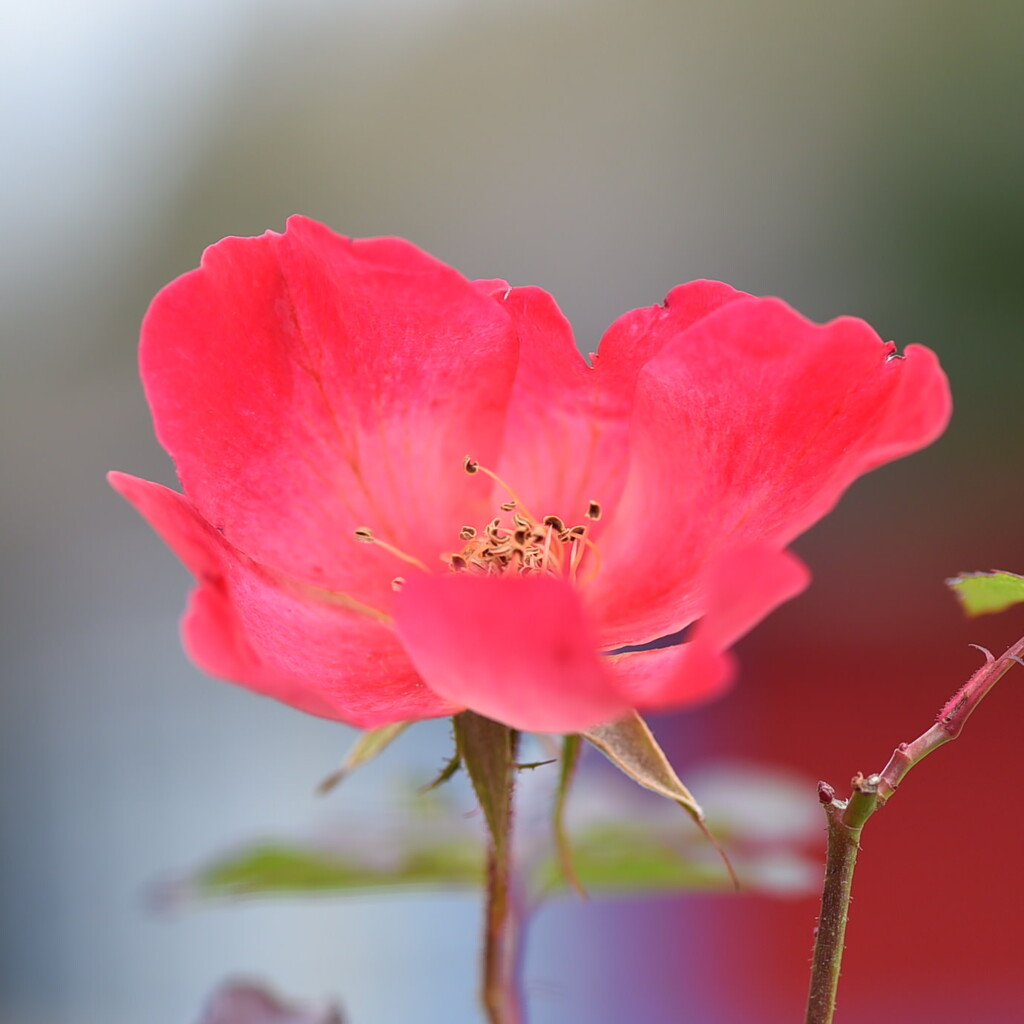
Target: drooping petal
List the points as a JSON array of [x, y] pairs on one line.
[[566, 439], [746, 428], [315, 650], [307, 384], [518, 649], [741, 587]]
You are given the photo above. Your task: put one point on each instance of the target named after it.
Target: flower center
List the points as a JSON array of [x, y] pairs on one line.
[[519, 541], [514, 541]]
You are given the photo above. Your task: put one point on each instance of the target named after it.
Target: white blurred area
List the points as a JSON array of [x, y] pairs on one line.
[[605, 151]]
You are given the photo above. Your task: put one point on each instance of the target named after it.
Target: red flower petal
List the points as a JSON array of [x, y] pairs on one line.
[[742, 587], [746, 428], [562, 446], [567, 432], [517, 649], [280, 637], [307, 385], [639, 335]]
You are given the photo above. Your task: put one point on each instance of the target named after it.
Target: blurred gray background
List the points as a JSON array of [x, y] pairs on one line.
[[860, 158]]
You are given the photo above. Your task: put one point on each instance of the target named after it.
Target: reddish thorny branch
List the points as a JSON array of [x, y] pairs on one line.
[[846, 819], [950, 721]]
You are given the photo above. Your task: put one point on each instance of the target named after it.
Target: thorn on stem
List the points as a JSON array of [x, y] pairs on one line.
[[989, 656]]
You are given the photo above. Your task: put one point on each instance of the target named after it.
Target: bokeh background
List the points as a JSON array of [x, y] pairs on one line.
[[863, 158]]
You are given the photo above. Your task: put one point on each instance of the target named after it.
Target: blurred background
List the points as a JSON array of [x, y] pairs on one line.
[[864, 158]]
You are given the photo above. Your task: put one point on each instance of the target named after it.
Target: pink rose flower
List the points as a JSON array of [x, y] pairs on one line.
[[320, 397]]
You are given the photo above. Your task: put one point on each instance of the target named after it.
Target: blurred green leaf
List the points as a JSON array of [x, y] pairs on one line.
[[607, 859], [622, 844], [983, 592], [613, 859], [284, 870]]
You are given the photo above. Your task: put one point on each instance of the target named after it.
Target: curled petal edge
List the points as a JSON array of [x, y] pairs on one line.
[[743, 586]]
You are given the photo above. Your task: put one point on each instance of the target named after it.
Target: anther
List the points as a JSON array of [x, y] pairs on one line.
[[554, 522], [470, 465], [397, 583], [457, 562], [507, 506], [365, 534], [594, 510], [467, 533]]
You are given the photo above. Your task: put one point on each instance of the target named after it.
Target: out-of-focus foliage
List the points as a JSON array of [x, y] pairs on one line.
[[983, 592], [619, 844]]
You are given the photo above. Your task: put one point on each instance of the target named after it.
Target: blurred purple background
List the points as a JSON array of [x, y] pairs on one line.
[[864, 159]]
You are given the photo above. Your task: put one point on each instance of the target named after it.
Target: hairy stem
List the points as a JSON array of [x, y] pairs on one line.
[[843, 845]]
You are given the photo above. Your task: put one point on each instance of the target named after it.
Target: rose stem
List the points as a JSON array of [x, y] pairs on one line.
[[846, 818], [501, 944]]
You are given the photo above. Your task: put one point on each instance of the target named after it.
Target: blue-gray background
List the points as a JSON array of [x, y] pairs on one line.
[[863, 158]]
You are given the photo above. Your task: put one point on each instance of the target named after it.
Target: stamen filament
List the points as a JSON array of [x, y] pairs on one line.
[[595, 571], [472, 466], [367, 536], [547, 547]]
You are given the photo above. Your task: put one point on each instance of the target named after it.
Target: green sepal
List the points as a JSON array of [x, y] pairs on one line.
[[630, 745], [366, 748], [566, 773], [452, 765]]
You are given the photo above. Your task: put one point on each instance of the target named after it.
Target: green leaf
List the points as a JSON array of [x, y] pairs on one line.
[[983, 592], [623, 859], [366, 748], [284, 870], [488, 752], [608, 859]]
